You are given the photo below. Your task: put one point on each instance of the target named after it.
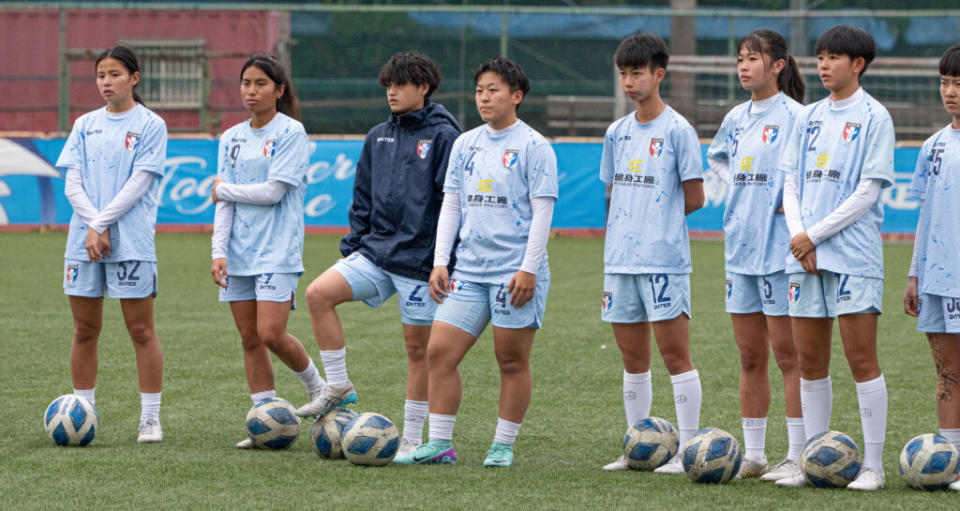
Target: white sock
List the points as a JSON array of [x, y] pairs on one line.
[[260, 396], [506, 431], [441, 426], [89, 395], [816, 398], [149, 406], [310, 377], [795, 438], [754, 438], [872, 396], [414, 415], [637, 396], [686, 397], [953, 435], [335, 366]]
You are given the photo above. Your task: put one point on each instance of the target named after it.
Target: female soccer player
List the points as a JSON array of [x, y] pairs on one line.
[[258, 226], [499, 194], [114, 159], [746, 153], [933, 283]]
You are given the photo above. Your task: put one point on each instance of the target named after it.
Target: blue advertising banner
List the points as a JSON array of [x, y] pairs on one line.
[[31, 190]]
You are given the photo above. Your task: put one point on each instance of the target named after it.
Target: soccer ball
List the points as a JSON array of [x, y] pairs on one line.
[[273, 424], [830, 460], [929, 462], [71, 420], [370, 439], [327, 431], [650, 443], [711, 456]]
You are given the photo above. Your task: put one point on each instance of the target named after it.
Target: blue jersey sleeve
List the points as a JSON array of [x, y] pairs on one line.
[[290, 159], [718, 146], [152, 153], [222, 156], [71, 157], [607, 158], [542, 171], [687, 148], [878, 160], [451, 183], [918, 185]]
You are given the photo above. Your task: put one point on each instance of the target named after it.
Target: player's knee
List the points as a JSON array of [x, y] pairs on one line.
[[511, 364], [141, 334], [318, 297], [84, 332], [863, 367], [416, 352], [250, 340], [753, 360], [787, 362], [677, 363], [270, 337]]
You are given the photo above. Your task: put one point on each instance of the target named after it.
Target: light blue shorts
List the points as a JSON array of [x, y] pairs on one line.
[[646, 297], [757, 293], [833, 294], [266, 287], [939, 314], [373, 286], [126, 279], [471, 305]]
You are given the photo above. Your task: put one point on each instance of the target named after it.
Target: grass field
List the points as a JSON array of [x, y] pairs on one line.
[[574, 426]]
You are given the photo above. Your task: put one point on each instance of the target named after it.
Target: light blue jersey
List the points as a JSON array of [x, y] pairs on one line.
[[936, 182], [756, 239], [496, 173], [266, 239], [646, 164], [108, 148], [830, 151]]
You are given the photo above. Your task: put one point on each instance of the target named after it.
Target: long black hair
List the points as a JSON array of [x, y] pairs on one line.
[[772, 44], [125, 56], [287, 104]]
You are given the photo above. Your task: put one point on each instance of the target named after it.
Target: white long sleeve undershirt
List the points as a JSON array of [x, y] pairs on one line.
[[99, 221], [848, 212], [915, 261], [222, 225], [259, 194], [77, 196], [448, 225]]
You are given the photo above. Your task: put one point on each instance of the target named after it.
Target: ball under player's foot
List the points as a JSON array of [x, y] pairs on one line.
[[499, 455], [750, 468], [868, 480], [329, 398], [434, 452], [407, 446], [674, 466], [784, 469], [620, 463], [150, 432], [797, 480]]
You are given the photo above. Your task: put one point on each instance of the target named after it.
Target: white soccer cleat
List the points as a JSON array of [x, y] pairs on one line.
[[246, 443], [150, 432], [316, 392], [621, 463], [868, 480], [750, 468], [329, 398], [955, 486], [797, 480], [674, 466], [407, 446], [784, 469]]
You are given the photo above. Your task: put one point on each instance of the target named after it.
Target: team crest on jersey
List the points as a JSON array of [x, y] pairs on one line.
[[132, 142], [770, 132], [72, 271], [794, 293], [456, 285], [656, 147], [729, 289], [850, 131], [423, 147], [510, 157], [607, 302], [270, 147]]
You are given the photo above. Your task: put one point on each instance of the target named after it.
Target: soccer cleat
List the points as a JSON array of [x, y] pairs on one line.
[[784, 469], [329, 398], [621, 463], [432, 452], [797, 480], [674, 466], [868, 480], [750, 468], [246, 443], [150, 432], [955, 486], [499, 455], [314, 393], [407, 446]]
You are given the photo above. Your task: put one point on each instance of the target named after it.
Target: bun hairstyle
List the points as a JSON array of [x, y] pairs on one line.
[[125, 56], [772, 44], [287, 104]]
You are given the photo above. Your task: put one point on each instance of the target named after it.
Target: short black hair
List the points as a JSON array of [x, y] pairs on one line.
[[510, 72], [851, 41], [411, 67], [950, 61], [642, 50]]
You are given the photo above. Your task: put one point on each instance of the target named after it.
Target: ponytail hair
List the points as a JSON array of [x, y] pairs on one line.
[[124, 55], [287, 104], [772, 44]]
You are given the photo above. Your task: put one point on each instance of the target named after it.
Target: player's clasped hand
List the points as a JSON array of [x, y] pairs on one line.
[[219, 272], [521, 288], [439, 283], [911, 301], [801, 245], [97, 245]]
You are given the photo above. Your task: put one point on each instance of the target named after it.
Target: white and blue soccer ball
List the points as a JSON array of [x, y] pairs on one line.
[[370, 439], [273, 424], [830, 460], [929, 462], [71, 421], [711, 456], [327, 432], [650, 443]]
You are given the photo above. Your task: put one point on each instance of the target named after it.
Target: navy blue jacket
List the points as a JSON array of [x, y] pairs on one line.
[[398, 190]]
